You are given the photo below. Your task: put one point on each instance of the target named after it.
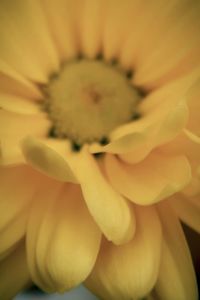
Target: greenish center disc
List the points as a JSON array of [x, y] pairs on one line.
[[88, 99]]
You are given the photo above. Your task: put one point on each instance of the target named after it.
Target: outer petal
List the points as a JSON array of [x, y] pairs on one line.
[[62, 239], [129, 271], [14, 274], [111, 211], [155, 178], [176, 279], [188, 209], [20, 29], [18, 186]]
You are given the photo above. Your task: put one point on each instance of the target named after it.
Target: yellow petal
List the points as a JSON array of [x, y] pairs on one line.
[[18, 185], [114, 30], [91, 25], [173, 53], [18, 104], [48, 158], [129, 271], [14, 274], [13, 83], [176, 279], [20, 125], [63, 240], [188, 209], [63, 17], [140, 31], [153, 179], [26, 43], [117, 221]]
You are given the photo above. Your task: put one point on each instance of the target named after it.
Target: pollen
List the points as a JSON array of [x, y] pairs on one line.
[[88, 99]]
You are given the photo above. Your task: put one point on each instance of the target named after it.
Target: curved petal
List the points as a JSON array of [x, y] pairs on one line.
[[176, 279], [48, 156], [117, 221], [62, 239], [129, 271], [155, 178], [14, 274], [20, 29], [187, 209]]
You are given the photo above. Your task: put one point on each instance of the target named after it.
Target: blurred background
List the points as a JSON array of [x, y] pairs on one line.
[[79, 293]]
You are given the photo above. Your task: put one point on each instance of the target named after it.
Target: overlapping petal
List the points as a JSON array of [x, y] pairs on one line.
[[155, 178], [163, 117], [176, 278], [129, 271], [111, 211], [66, 260], [17, 189]]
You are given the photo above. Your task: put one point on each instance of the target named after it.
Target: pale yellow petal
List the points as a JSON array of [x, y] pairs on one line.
[[48, 157], [63, 18], [187, 209], [118, 19], [63, 240], [179, 47], [155, 178], [12, 82], [111, 211], [26, 43], [129, 271], [14, 274], [143, 18], [91, 25], [176, 279], [18, 104]]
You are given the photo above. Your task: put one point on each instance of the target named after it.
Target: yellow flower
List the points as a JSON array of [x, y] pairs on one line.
[[100, 147]]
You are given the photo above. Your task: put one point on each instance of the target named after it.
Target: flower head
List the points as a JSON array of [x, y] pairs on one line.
[[100, 140]]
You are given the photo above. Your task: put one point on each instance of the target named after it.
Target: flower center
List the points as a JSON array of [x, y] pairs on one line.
[[88, 99]]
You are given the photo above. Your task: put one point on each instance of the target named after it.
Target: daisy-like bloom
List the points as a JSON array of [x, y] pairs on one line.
[[100, 147]]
